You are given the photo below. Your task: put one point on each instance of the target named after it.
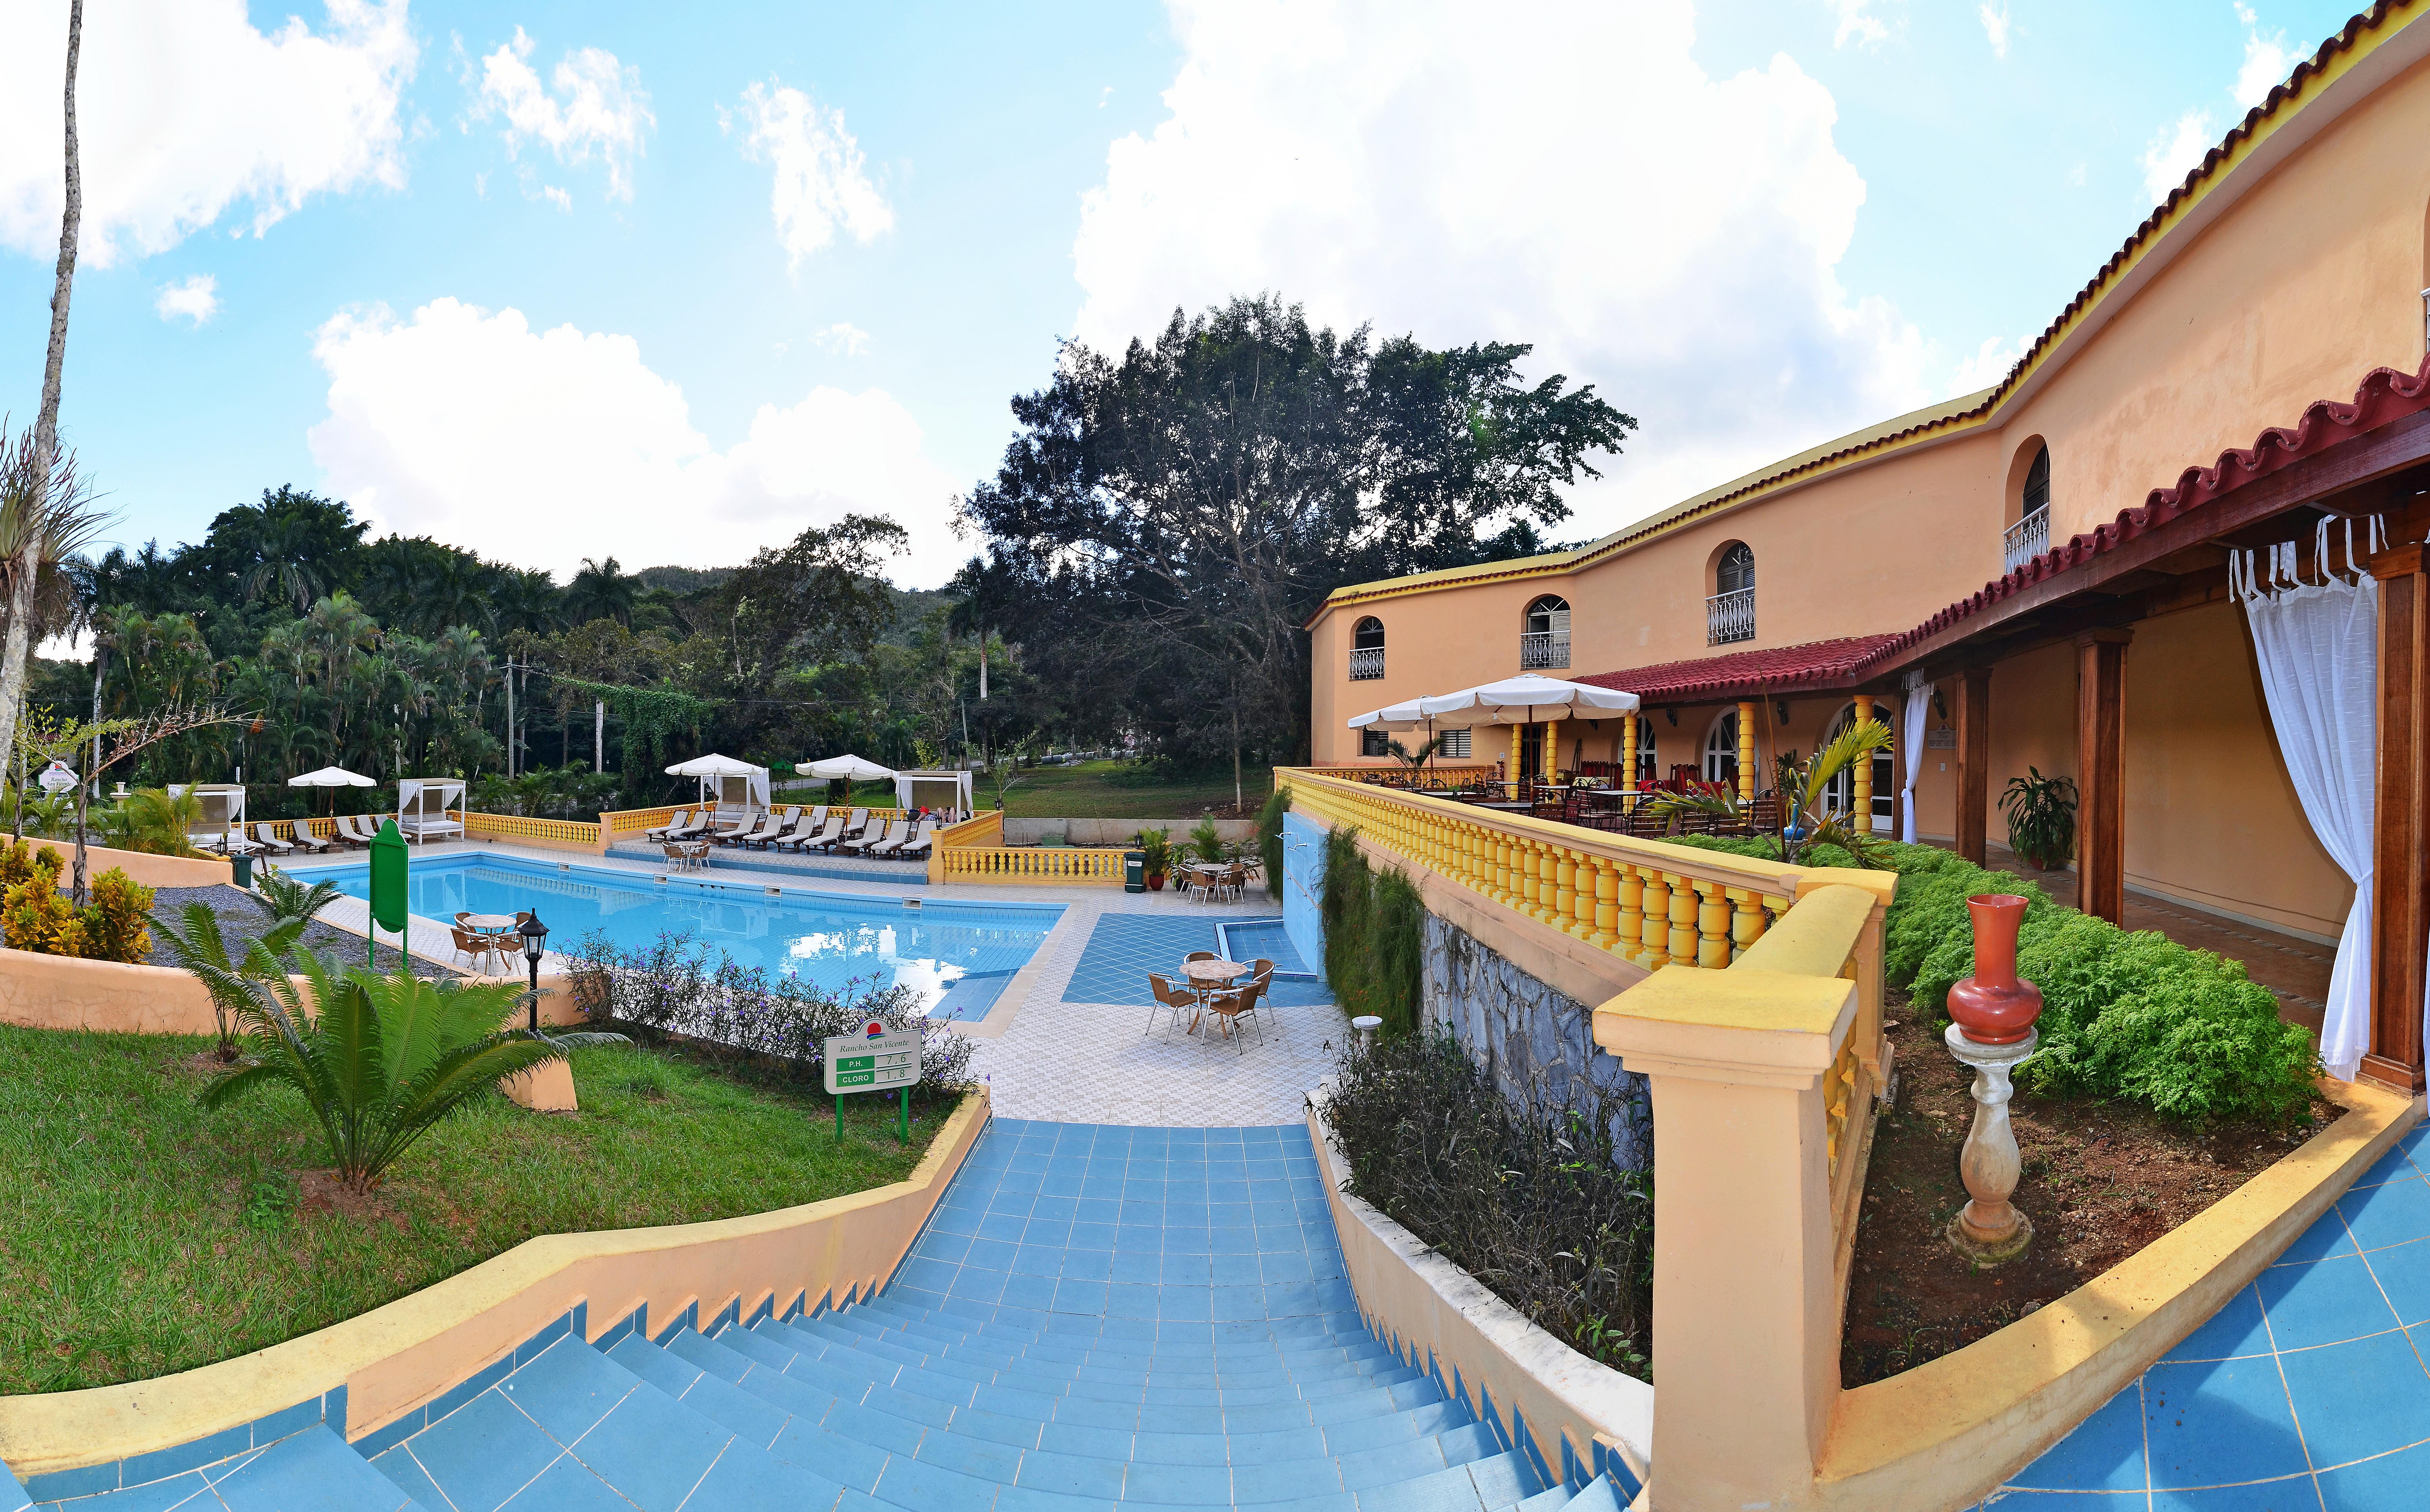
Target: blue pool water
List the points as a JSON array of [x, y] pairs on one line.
[[957, 956]]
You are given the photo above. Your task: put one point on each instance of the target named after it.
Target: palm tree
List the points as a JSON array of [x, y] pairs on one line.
[[202, 950], [381, 1059], [159, 821], [602, 591]]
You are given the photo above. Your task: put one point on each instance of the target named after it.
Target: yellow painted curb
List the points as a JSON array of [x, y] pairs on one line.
[[396, 1357]]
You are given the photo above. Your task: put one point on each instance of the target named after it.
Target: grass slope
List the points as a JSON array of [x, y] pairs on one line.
[[141, 1234], [1082, 792]]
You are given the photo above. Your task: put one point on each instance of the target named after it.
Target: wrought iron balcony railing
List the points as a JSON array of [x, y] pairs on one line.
[[1543, 648], [2026, 540], [1367, 665], [1730, 617]]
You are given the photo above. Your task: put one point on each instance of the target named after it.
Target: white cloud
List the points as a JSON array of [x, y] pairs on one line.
[[1857, 23], [191, 298], [2176, 152], [2268, 60], [1399, 165], [821, 185], [597, 106], [1996, 25], [184, 111], [844, 337], [1988, 364], [543, 447], [196, 299]]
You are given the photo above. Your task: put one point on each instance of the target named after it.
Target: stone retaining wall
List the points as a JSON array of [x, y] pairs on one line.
[[1116, 831]]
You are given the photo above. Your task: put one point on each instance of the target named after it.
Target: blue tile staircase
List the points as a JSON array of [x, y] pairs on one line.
[[1095, 1317]]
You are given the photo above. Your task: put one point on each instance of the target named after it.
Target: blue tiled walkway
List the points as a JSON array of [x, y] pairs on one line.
[[2307, 1392], [1096, 1316], [1124, 947]]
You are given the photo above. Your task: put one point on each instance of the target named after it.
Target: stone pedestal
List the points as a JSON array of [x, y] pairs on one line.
[[1989, 1229], [547, 1088]]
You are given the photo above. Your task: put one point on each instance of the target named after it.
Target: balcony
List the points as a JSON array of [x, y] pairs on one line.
[[1367, 665], [1730, 617], [1543, 648], [2025, 541]]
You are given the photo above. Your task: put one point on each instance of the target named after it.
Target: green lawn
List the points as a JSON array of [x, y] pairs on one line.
[[142, 1235], [1083, 793]]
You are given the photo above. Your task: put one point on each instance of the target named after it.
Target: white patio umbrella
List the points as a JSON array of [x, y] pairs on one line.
[[1407, 716], [332, 777], [721, 770], [851, 767], [1526, 699]]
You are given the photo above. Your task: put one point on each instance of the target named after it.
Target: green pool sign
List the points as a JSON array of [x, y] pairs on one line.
[[877, 1059], [388, 887]]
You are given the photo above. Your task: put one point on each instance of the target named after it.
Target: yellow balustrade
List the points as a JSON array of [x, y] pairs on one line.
[[574, 833], [974, 851], [1449, 775], [1646, 901]]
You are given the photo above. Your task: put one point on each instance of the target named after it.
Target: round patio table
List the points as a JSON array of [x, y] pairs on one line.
[[1206, 976], [489, 924]]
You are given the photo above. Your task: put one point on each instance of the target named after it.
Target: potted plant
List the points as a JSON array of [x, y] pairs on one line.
[[1207, 842], [2042, 818], [1157, 848]]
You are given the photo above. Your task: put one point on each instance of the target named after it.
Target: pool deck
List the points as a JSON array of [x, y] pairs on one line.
[[1044, 1052]]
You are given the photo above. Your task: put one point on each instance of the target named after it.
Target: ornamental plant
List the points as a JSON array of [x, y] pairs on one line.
[[36, 916], [2042, 818], [1206, 841], [381, 1059], [199, 946]]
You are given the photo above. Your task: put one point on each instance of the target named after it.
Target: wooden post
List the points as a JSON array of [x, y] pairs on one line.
[[2101, 772], [1974, 724], [1860, 776], [2399, 916], [1747, 784]]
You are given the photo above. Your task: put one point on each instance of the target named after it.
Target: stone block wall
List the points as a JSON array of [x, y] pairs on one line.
[[1533, 1042]]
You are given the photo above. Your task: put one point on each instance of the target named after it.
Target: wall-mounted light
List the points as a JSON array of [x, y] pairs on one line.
[[1940, 704], [1673, 714], [1780, 708]]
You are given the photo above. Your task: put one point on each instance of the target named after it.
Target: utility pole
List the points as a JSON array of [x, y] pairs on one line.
[[599, 735], [511, 717]]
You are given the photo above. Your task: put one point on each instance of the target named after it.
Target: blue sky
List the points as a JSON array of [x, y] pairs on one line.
[[552, 280]]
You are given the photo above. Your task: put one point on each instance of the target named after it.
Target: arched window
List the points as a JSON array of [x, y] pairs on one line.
[[1367, 650], [1841, 791], [1729, 614], [1546, 642], [1722, 749], [2030, 536]]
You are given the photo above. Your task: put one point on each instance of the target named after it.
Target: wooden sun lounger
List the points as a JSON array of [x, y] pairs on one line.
[[267, 840]]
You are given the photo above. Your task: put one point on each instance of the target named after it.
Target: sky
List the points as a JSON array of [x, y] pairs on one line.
[[555, 281]]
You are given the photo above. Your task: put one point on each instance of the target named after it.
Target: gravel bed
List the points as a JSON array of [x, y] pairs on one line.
[[242, 921]]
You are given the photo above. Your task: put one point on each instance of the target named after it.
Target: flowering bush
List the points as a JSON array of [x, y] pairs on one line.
[[672, 989]]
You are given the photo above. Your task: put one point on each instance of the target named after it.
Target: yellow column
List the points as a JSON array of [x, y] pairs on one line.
[[1515, 731], [1627, 759], [1552, 748], [1565, 890], [1862, 775], [1607, 905], [1747, 784], [1631, 899], [1712, 925], [1682, 919]]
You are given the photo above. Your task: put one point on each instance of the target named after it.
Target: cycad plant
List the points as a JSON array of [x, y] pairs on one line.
[[1807, 820], [381, 1059], [284, 898], [202, 949]]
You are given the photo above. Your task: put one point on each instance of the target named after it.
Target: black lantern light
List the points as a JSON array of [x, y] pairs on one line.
[[535, 945]]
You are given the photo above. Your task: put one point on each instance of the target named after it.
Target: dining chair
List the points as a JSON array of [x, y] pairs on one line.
[[1230, 1008], [476, 947], [1170, 998]]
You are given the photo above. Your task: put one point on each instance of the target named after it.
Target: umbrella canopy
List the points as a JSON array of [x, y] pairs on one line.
[[1526, 699], [1406, 716], [848, 766], [331, 777], [713, 765]]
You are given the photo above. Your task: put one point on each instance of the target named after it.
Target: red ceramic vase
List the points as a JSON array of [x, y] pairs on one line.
[[1994, 1006]]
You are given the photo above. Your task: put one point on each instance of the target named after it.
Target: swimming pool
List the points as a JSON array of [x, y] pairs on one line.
[[956, 955]]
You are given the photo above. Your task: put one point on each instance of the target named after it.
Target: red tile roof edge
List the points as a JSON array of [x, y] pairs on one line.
[[1699, 678]]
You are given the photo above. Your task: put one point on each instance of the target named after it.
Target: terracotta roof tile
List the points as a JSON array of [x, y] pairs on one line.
[[1702, 679]]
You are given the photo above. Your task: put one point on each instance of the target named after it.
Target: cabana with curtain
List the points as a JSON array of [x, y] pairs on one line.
[[949, 791], [223, 809], [421, 805], [736, 786]]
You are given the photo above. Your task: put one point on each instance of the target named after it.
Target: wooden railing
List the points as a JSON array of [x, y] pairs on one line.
[[1646, 901]]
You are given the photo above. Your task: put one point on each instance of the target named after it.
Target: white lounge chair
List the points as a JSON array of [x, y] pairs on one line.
[[269, 842], [807, 840], [307, 839], [803, 833], [849, 830], [923, 842], [869, 844], [735, 831], [680, 820], [775, 828]]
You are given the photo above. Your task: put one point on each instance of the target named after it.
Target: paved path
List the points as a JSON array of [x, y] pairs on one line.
[[2307, 1392]]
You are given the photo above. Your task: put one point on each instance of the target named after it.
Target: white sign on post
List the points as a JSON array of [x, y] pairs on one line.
[[57, 777], [874, 1060]]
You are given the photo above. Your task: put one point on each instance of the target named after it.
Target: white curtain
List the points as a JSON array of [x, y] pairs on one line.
[[2317, 646], [1919, 699]]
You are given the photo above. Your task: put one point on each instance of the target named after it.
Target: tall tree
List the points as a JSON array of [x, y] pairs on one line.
[[1165, 522], [602, 591], [26, 563]]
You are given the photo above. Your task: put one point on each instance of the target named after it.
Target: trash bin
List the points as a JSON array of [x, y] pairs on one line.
[[1134, 870], [243, 867]]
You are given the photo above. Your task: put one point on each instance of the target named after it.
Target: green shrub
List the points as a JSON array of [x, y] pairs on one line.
[[1207, 841], [1270, 838], [1375, 936], [36, 916]]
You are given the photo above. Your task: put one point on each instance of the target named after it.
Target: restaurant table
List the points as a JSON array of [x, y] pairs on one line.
[[1206, 976], [489, 924]]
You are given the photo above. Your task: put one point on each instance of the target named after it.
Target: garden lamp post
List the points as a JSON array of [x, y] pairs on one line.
[[535, 945]]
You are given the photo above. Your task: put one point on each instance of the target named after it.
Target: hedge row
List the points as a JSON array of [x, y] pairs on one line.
[[2130, 1017]]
